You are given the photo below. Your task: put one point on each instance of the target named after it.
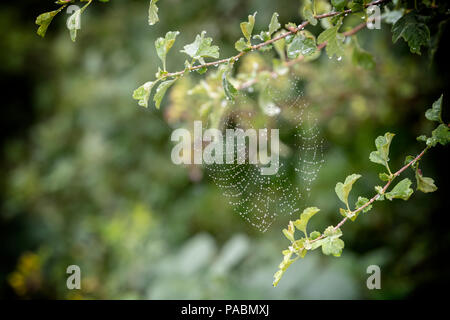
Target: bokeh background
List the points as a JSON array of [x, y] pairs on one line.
[[86, 176]]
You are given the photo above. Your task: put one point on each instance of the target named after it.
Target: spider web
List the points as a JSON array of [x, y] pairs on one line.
[[260, 199]]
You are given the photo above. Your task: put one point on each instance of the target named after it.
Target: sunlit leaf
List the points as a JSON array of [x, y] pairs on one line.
[[247, 27], [343, 189], [153, 13], [163, 45], [161, 91], [201, 48], [143, 93], [301, 223], [44, 20], [401, 191]]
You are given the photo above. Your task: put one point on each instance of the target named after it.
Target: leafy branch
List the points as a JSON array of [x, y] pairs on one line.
[[44, 19], [274, 74], [300, 44], [330, 240]]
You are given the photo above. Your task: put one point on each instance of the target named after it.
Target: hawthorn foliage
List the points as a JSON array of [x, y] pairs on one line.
[[419, 23], [330, 240]]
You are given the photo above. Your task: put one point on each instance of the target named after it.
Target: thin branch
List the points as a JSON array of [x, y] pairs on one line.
[[268, 42], [374, 198]]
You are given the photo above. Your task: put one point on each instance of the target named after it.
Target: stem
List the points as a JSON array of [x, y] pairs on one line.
[[268, 42]]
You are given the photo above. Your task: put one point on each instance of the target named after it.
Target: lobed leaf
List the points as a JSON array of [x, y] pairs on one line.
[[382, 143], [308, 12], [439, 135], [161, 91], [331, 244], [153, 13], [334, 41], [425, 184], [143, 93], [414, 32], [361, 202], [44, 20], [247, 27], [301, 223], [401, 191], [274, 24], [304, 43], [343, 189], [435, 112], [201, 48], [163, 45]]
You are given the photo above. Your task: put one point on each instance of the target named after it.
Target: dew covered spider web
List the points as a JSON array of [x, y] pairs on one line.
[[260, 199]]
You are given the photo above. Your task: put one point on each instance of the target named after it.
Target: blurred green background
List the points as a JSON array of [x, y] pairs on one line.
[[86, 176]]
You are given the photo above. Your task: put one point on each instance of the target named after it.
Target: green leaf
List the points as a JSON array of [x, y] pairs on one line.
[[422, 138], [384, 176], [408, 159], [434, 113], [201, 70], [401, 191], [362, 58], [280, 46], [143, 93], [343, 189], [229, 89], [308, 12], [241, 45], [289, 232], [362, 201], [263, 36], [301, 223], [344, 212], [44, 20], [303, 44], [425, 184], [439, 135], [357, 5], [287, 261], [247, 27], [334, 41], [163, 45], [274, 24], [153, 13], [201, 48], [299, 247], [414, 32], [331, 244], [314, 235], [339, 4], [382, 143], [277, 277], [161, 91]]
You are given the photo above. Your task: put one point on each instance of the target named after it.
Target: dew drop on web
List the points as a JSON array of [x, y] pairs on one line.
[[260, 199]]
